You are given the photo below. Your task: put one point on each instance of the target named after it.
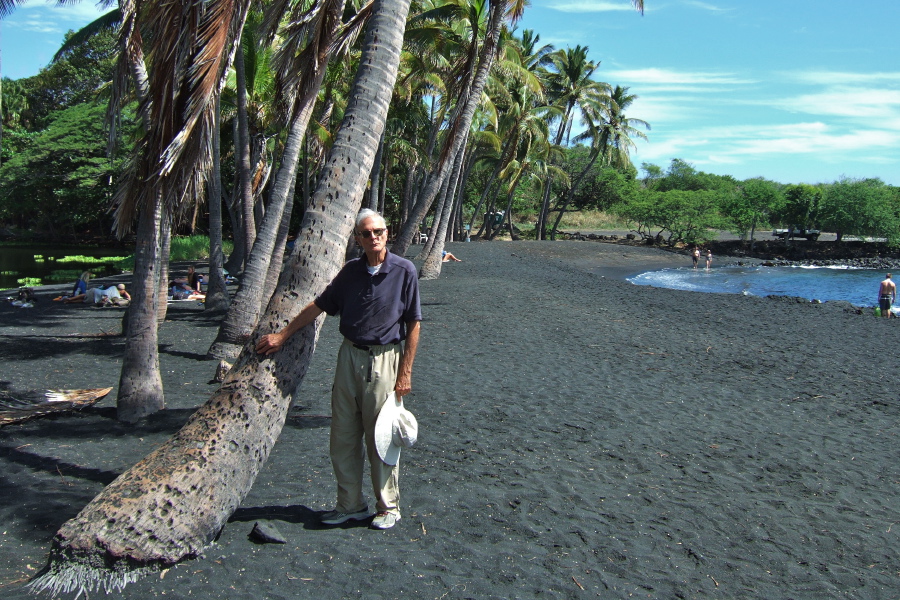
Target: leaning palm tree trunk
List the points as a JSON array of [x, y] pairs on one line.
[[431, 269], [171, 505]]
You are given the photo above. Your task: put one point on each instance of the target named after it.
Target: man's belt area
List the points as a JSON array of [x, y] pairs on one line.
[[371, 347]]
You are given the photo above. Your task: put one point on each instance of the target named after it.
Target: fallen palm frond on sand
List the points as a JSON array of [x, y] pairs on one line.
[[31, 405]]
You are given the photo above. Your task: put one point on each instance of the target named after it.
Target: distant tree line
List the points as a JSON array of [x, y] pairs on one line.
[[684, 205]]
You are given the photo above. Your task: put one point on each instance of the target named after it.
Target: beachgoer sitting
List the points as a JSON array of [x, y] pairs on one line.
[[24, 299], [100, 296], [80, 286], [187, 288]]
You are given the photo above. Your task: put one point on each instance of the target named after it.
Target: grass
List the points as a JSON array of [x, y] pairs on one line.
[[186, 248], [591, 219], [89, 260], [194, 247], [64, 275]]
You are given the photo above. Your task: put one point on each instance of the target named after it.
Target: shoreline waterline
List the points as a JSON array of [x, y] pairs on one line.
[[858, 286]]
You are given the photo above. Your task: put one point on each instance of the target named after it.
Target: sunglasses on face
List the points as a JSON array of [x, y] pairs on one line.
[[368, 233]]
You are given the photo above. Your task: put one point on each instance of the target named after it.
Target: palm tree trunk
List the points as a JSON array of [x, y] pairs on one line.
[[140, 383], [242, 155], [595, 154], [431, 269], [374, 187], [165, 249], [216, 291], [171, 505]]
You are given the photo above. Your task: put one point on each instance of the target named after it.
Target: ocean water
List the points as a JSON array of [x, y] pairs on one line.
[[858, 286]]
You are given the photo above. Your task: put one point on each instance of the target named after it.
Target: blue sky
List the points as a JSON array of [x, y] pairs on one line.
[[791, 90]]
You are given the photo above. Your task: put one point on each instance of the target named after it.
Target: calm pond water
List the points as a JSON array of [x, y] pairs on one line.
[[858, 286], [17, 262]]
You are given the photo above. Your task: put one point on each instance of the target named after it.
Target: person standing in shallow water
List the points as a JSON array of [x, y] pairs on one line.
[[887, 294], [377, 297], [695, 256], [709, 259]]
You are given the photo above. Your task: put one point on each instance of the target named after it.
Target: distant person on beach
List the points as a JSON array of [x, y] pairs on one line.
[[695, 256], [887, 294], [188, 288], [708, 259], [447, 257], [101, 296], [377, 297], [80, 286]]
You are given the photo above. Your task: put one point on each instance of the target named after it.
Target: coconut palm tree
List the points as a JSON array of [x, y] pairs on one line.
[[610, 134], [570, 85], [171, 505]]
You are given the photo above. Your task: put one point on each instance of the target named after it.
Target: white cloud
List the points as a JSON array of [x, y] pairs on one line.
[[41, 18], [851, 103], [36, 25], [657, 76], [589, 6], [707, 6], [737, 144], [841, 77]]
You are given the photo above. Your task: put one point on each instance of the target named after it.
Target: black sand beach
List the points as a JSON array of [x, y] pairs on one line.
[[579, 437]]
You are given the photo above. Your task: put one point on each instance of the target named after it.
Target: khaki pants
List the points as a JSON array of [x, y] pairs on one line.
[[362, 381]]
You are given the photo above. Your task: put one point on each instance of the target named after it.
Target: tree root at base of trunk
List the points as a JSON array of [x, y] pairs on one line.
[[69, 571]]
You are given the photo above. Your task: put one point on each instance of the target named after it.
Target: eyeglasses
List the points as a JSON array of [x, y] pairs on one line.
[[368, 233]]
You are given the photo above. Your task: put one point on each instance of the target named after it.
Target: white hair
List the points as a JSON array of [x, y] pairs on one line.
[[368, 213]]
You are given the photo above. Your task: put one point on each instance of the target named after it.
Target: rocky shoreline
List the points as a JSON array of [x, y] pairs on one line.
[[854, 254]]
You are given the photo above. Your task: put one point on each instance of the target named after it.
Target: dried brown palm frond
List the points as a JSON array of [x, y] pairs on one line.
[[307, 42], [130, 70], [190, 51], [31, 405]]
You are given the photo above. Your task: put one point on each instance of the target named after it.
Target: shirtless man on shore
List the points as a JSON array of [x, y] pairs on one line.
[[887, 293]]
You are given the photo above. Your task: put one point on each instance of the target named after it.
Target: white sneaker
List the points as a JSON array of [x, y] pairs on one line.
[[385, 520]]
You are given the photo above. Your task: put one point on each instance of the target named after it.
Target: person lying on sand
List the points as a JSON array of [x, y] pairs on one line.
[[100, 296], [447, 257]]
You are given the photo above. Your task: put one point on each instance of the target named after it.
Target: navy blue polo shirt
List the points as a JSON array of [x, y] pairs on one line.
[[374, 309]]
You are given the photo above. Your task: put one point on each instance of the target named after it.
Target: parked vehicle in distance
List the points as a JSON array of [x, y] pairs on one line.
[[796, 232]]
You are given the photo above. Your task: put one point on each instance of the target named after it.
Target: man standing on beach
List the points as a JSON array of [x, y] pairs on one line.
[[377, 297], [887, 294]]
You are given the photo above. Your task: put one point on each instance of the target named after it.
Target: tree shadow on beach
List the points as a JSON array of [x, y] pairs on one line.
[[165, 349], [297, 514], [198, 318], [96, 422], [24, 348], [298, 420]]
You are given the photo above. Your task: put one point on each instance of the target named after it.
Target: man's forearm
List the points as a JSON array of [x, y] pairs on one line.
[[404, 371], [306, 316], [409, 348]]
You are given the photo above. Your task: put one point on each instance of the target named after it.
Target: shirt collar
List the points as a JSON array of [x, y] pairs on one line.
[[389, 261]]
